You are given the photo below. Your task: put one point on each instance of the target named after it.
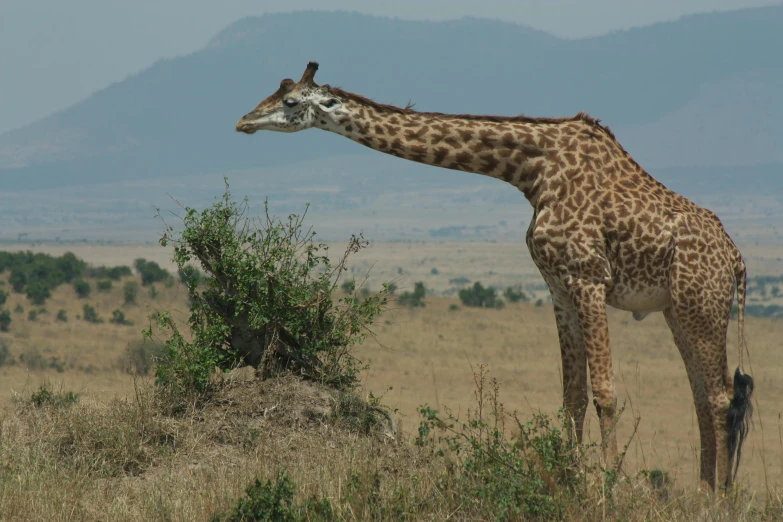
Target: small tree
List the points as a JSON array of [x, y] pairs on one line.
[[514, 294], [478, 296], [414, 299], [150, 272], [83, 288], [104, 286], [267, 300], [3, 298], [90, 315], [5, 321], [130, 290], [38, 292], [118, 317]]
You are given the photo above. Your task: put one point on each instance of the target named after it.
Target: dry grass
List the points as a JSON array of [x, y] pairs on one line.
[[59, 464]]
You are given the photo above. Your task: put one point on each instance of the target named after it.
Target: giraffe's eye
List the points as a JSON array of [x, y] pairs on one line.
[[330, 102], [290, 103]]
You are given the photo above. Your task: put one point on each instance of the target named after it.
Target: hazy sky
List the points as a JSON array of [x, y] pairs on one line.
[[54, 53]]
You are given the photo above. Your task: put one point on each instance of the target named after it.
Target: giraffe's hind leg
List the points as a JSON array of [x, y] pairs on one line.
[[701, 304], [703, 413]]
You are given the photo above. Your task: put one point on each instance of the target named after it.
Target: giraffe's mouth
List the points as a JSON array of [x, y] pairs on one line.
[[246, 127]]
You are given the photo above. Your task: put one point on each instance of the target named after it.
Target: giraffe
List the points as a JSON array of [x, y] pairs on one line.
[[603, 232]]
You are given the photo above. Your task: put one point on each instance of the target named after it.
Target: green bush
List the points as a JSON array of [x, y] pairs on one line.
[[19, 309], [38, 274], [265, 501], [118, 317], [414, 299], [150, 272], [114, 273], [90, 315], [478, 296], [3, 297], [539, 475], [268, 300], [273, 501], [32, 315], [129, 291], [46, 397], [83, 288], [153, 292], [104, 286], [62, 316], [514, 294], [38, 292], [5, 321]]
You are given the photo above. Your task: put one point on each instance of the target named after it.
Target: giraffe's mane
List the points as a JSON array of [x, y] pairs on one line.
[[580, 116]]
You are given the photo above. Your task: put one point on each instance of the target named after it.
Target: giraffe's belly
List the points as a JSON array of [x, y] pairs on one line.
[[640, 300]]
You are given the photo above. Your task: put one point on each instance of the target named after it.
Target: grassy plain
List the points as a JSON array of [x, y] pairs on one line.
[[424, 355]]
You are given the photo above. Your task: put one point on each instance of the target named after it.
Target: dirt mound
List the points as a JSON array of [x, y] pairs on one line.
[[245, 408]]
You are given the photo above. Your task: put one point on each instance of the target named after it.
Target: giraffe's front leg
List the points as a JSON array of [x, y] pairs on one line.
[[572, 353], [589, 301]]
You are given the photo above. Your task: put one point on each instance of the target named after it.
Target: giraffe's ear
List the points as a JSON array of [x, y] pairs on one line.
[[329, 104]]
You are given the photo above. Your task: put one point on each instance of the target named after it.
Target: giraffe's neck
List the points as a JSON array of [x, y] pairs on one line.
[[516, 150]]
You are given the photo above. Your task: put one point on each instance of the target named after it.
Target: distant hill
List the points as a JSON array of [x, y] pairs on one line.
[[696, 101]]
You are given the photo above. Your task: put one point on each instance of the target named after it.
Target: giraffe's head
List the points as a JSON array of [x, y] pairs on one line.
[[293, 107]]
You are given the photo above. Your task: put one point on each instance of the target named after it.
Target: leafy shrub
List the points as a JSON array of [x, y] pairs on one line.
[[38, 292], [539, 303], [514, 294], [459, 281], [434, 271], [46, 397], [414, 299], [82, 288], [114, 273], [90, 315], [453, 307], [19, 309], [129, 291], [5, 321], [32, 315], [3, 297], [538, 476], [478, 296], [153, 292], [62, 316], [265, 501], [267, 300], [150, 272], [104, 286], [118, 317], [273, 501], [38, 274]]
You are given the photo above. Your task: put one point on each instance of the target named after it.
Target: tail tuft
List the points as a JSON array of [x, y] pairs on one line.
[[740, 413]]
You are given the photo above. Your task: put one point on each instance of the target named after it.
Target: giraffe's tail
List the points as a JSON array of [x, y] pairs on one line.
[[741, 407]]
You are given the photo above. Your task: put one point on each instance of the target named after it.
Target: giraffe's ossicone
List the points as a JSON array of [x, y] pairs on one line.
[[603, 232]]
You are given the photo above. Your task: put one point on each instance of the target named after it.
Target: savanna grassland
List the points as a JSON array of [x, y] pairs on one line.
[[198, 462]]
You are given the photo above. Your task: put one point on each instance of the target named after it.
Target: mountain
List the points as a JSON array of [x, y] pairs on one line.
[[691, 99]]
